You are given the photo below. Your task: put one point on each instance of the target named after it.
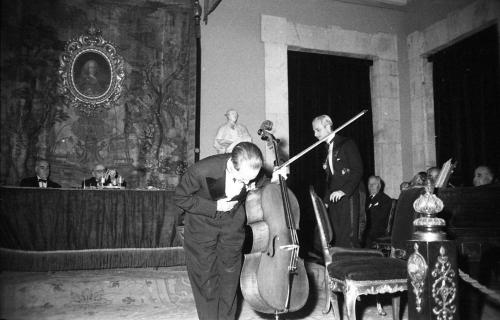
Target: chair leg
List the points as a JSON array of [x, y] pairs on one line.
[[380, 308], [350, 302], [335, 306], [328, 293], [396, 305]]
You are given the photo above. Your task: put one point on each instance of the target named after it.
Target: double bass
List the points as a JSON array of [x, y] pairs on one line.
[[273, 277]]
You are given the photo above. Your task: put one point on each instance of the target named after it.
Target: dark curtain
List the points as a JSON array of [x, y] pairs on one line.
[[325, 84], [466, 104]]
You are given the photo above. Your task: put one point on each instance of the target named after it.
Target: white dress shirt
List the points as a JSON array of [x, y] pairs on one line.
[[233, 186], [41, 184], [330, 160]]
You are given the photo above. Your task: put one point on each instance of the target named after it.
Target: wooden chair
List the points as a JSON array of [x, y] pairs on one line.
[[356, 272]]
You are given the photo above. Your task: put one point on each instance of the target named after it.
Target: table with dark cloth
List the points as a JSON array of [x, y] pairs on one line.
[[63, 229]]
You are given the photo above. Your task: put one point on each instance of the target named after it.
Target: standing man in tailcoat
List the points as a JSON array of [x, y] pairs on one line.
[[344, 170]]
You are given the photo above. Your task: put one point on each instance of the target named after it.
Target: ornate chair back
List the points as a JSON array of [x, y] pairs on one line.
[[324, 226]]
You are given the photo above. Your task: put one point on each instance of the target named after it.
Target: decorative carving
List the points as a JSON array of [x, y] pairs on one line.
[[431, 222], [417, 271], [444, 288], [428, 203], [90, 73], [428, 227], [368, 286]]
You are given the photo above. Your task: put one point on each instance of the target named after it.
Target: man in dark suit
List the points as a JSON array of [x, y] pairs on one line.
[[98, 173], [41, 180], [378, 208], [108, 177], [344, 170], [212, 192]]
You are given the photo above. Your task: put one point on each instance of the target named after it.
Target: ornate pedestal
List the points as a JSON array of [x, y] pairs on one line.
[[433, 279], [432, 265]]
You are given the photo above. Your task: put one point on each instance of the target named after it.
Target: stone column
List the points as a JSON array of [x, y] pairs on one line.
[[432, 265]]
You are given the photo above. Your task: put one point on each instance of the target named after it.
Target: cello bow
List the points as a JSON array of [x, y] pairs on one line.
[[317, 143]]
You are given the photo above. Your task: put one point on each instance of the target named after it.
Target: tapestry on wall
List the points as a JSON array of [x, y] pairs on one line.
[[147, 135]]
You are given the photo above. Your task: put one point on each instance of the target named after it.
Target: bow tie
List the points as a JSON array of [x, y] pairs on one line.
[[236, 180], [41, 180], [327, 145]]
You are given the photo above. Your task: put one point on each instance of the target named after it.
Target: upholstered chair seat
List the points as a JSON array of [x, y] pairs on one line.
[[365, 269]]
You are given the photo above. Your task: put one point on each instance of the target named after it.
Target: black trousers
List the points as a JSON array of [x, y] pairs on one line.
[[344, 217], [213, 249]]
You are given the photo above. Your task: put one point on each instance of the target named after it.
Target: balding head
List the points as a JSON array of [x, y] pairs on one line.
[[374, 184], [433, 174], [98, 171], [322, 126], [483, 175]]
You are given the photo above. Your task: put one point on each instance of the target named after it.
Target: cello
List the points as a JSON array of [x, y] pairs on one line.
[[273, 277]]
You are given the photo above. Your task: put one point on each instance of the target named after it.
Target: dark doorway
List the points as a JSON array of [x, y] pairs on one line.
[[324, 84], [466, 104]]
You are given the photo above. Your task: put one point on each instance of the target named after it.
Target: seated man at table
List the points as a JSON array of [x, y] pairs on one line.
[[41, 180], [108, 176], [98, 173], [113, 178]]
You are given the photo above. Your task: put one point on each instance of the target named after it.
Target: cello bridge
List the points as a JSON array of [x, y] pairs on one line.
[[289, 247]]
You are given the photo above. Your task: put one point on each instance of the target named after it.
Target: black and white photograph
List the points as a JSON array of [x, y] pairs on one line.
[[250, 160]]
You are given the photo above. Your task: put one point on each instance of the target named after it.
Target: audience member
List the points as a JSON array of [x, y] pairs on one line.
[[418, 180], [404, 185], [483, 175], [41, 180], [433, 174], [378, 208]]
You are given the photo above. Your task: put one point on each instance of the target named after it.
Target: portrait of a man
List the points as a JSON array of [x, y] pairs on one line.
[[91, 74]]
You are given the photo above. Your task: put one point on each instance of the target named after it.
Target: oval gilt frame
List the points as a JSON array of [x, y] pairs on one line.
[[91, 73]]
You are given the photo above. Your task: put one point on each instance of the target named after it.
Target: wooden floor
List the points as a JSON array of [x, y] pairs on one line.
[[151, 294]]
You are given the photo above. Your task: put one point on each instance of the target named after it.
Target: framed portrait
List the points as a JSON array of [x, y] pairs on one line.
[[91, 73]]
